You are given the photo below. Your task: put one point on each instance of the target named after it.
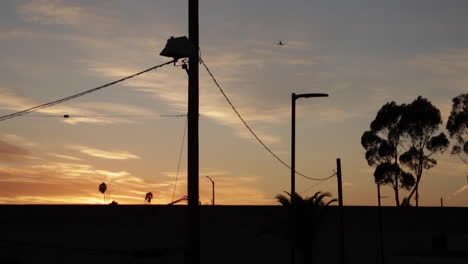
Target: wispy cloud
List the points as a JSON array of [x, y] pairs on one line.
[[173, 91], [461, 190], [60, 12], [57, 182], [10, 152], [67, 170], [18, 139], [64, 156], [51, 12], [453, 62], [71, 183], [335, 114], [105, 154], [265, 137], [233, 190]]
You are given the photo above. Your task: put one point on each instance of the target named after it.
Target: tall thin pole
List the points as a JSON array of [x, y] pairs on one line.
[[380, 226], [293, 147], [293, 213], [340, 204], [213, 190], [340, 184], [193, 241], [378, 194], [293, 178]]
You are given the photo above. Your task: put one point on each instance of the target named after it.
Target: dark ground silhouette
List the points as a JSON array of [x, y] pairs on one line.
[[229, 234]]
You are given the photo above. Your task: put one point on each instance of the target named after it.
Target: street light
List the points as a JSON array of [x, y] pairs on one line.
[[213, 190], [294, 97]]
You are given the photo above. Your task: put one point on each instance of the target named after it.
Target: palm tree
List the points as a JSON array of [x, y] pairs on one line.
[[148, 197], [102, 189], [308, 212], [316, 200]]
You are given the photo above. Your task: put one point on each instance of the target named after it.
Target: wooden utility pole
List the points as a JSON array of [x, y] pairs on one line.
[[193, 241], [340, 204]]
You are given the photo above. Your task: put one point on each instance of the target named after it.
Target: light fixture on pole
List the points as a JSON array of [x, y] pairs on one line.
[[294, 97], [213, 190]]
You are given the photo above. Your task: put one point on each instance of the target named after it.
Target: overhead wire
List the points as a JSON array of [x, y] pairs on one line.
[[52, 103], [251, 130], [180, 158], [317, 184], [99, 116], [49, 104]]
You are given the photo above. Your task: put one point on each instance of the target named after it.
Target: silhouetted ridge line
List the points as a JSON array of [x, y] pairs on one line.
[[49, 104], [253, 133]]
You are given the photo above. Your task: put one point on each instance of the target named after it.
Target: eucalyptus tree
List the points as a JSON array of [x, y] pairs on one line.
[[420, 123], [457, 125], [384, 143]]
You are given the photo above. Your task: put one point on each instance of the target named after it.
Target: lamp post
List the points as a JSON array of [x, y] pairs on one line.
[[213, 190], [294, 97]]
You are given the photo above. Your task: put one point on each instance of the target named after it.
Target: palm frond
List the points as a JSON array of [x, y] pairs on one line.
[[331, 201], [320, 197], [284, 200]]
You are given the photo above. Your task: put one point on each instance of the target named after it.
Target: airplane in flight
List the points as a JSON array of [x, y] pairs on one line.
[[281, 43]]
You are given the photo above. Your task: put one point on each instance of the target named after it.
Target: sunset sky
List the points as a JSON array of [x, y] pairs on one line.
[[363, 53]]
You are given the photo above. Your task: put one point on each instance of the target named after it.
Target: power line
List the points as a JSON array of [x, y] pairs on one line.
[[317, 184], [251, 130], [180, 158], [49, 104], [99, 116]]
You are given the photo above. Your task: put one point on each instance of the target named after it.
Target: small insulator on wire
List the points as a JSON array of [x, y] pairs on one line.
[[66, 116]]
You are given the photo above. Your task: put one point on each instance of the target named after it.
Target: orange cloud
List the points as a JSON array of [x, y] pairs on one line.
[[461, 190], [9, 152], [106, 154], [73, 183], [64, 157]]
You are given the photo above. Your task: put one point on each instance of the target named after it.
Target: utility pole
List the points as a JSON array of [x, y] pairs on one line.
[[340, 203], [193, 242]]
